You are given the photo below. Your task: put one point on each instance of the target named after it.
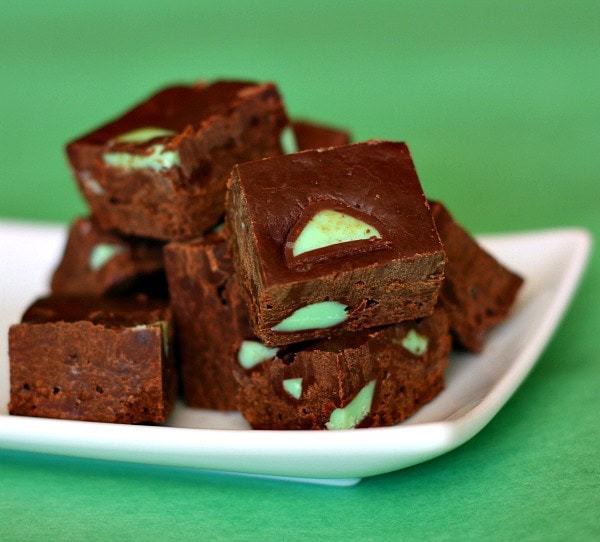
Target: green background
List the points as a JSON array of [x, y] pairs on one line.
[[499, 103]]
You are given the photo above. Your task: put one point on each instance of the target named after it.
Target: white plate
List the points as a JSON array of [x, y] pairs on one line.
[[477, 385]]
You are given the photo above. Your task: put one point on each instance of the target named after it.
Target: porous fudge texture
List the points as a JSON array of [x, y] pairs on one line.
[[478, 291], [211, 319], [93, 359], [97, 263], [160, 170], [333, 241], [373, 378], [312, 135]]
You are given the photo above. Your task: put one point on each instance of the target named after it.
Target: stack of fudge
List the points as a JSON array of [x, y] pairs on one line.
[[250, 262]]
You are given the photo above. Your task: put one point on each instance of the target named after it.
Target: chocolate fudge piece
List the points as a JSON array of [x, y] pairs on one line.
[[304, 135], [372, 378], [333, 241], [211, 319], [478, 291], [94, 359], [310, 135], [97, 263], [160, 170]]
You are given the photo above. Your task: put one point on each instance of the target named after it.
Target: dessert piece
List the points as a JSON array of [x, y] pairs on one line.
[[478, 291], [160, 170], [372, 378], [332, 241], [304, 135], [211, 319], [94, 359], [310, 135], [97, 263]]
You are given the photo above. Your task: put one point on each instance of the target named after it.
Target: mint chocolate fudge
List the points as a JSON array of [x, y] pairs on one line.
[[97, 263], [333, 240], [372, 378], [93, 359], [160, 169]]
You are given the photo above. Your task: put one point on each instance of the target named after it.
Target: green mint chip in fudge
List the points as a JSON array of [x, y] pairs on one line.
[[288, 142], [416, 344], [355, 411], [157, 159], [293, 386], [329, 227], [251, 353], [143, 134], [102, 253], [316, 316]]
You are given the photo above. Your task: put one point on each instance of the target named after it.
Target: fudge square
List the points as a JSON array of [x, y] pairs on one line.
[[333, 240], [377, 377], [97, 263], [304, 135], [478, 291], [211, 319], [93, 359], [160, 170]]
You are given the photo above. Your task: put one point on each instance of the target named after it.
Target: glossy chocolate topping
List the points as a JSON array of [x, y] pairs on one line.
[[376, 178]]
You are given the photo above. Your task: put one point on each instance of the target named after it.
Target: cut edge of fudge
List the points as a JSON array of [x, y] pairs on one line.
[[210, 316], [93, 359]]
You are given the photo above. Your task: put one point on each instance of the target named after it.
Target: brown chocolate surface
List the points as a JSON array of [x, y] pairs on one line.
[[478, 291], [216, 126], [378, 180], [211, 319], [136, 264], [334, 371], [93, 359]]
